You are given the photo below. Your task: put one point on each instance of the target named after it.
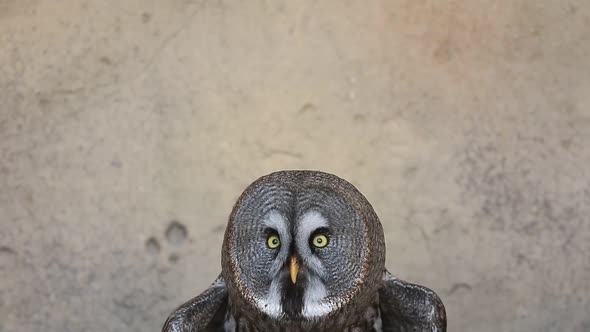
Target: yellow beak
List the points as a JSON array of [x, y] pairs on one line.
[[294, 268]]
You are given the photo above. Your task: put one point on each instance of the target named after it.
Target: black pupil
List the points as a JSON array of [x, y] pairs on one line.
[[275, 241], [319, 240]]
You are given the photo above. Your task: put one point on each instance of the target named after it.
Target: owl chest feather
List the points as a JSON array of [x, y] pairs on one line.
[[370, 321]]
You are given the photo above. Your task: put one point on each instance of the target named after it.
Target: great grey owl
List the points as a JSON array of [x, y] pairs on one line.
[[304, 251]]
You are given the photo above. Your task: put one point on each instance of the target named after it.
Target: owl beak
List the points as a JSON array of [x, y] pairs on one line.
[[294, 268]]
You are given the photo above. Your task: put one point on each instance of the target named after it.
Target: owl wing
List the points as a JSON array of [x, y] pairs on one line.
[[205, 312], [408, 307]]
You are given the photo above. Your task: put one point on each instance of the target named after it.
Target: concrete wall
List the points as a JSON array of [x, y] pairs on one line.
[[128, 129]]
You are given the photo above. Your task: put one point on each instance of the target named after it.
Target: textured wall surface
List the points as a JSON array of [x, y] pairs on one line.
[[128, 129]]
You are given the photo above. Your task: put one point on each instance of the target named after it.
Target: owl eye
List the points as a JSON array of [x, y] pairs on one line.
[[320, 241], [273, 241]]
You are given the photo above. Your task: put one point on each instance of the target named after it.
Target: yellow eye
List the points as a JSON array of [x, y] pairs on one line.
[[273, 241], [320, 241]]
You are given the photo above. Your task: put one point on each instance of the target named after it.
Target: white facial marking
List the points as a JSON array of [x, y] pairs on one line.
[[306, 225], [276, 221], [271, 304], [313, 300], [314, 304]]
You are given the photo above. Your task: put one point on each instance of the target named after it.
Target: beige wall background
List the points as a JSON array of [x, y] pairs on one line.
[[128, 129]]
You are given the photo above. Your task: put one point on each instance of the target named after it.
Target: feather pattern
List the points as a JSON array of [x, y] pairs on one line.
[[408, 307], [402, 307], [297, 284]]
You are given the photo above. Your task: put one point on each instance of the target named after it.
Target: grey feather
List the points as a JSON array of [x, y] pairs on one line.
[[409, 307], [205, 312]]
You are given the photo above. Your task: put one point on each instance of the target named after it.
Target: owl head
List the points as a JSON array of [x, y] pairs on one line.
[[302, 246]]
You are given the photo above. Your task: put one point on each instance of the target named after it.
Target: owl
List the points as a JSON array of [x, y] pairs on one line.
[[305, 251]]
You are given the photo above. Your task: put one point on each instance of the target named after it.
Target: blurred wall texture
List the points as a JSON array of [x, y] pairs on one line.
[[128, 129]]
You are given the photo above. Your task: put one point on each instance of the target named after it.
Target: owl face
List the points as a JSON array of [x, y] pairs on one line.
[[302, 246]]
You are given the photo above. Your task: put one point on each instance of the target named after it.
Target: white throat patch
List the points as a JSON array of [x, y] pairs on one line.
[[271, 304], [314, 304]]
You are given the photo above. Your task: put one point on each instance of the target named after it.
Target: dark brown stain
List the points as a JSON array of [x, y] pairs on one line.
[[146, 17]]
